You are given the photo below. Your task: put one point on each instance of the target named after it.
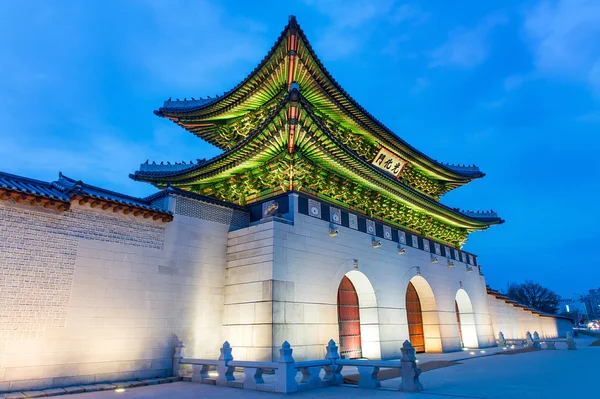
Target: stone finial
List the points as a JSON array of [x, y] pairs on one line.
[[501, 339], [536, 340], [332, 351], [409, 370], [177, 356], [285, 353], [226, 352], [528, 339], [571, 341], [408, 351]]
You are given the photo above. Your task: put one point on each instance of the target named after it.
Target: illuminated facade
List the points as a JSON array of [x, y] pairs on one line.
[[316, 222]]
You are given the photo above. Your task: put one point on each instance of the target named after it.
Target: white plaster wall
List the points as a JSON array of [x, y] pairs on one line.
[[515, 322], [124, 306]]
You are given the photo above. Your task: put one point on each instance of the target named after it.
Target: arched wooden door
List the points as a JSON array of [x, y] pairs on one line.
[[349, 320], [458, 321], [415, 318]]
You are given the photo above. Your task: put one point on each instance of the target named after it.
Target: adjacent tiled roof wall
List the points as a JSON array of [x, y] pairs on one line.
[[30, 186], [74, 187]]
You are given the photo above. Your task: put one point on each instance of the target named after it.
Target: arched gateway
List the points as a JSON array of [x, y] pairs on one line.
[[414, 317], [358, 317], [422, 318], [349, 320], [465, 319]]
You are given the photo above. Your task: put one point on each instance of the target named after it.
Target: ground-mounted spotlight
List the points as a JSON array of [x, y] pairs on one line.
[[119, 390]]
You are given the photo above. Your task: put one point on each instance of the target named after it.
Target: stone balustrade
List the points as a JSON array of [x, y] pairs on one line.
[[313, 373], [535, 341]]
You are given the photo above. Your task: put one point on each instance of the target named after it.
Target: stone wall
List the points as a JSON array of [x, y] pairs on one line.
[[515, 322], [89, 296], [305, 266]]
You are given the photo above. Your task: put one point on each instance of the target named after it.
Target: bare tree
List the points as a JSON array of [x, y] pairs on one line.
[[533, 295]]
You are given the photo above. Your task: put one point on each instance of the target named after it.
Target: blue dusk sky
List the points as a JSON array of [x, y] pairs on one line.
[[511, 86]]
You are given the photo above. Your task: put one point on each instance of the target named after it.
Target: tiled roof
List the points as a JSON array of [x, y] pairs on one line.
[[78, 188], [185, 105], [66, 190], [32, 187]]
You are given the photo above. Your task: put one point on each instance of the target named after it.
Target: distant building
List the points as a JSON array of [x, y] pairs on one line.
[[592, 303], [573, 305]]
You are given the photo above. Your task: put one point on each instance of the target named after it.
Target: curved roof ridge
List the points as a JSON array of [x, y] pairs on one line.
[[139, 173], [367, 113], [380, 172]]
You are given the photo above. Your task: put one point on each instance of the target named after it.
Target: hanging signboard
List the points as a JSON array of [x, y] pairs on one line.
[[388, 161]]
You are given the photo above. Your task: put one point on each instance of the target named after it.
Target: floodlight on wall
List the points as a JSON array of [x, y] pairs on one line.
[[355, 264], [375, 243], [469, 269], [450, 263], [434, 259], [401, 250], [333, 230], [418, 271]]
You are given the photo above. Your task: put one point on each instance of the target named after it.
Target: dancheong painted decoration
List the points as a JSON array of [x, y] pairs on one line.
[[289, 126]]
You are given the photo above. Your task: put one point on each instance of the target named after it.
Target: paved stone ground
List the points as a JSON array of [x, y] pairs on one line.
[[536, 375]]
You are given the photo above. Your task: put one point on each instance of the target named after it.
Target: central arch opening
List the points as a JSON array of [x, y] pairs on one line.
[[422, 316], [349, 320], [414, 315], [358, 317]]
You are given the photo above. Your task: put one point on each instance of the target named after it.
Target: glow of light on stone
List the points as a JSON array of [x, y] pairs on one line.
[[471, 353]]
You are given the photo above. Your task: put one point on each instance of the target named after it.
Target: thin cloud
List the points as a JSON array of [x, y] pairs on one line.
[[565, 38], [467, 48], [353, 23]]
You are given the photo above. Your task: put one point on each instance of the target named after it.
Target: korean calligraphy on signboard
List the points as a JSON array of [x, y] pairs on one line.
[[388, 161]]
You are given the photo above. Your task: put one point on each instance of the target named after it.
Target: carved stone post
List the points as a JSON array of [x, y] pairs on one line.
[[409, 371], [570, 341], [200, 373], [223, 368], [368, 377], [333, 372], [177, 356], [501, 339], [536, 340], [285, 373], [254, 377], [528, 339]]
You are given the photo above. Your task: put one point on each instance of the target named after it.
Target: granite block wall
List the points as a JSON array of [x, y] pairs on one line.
[[304, 266]]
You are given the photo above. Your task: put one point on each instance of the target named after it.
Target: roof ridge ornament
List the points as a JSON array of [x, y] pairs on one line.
[[292, 114]]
